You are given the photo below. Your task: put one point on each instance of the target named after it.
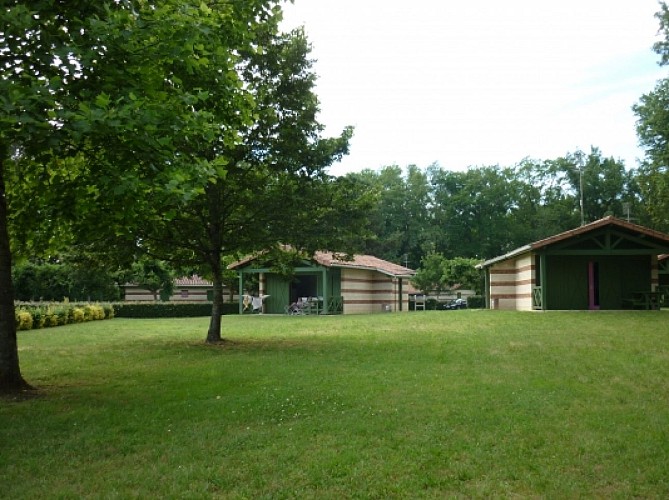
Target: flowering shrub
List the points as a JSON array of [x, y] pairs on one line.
[[93, 312], [77, 315], [109, 311], [50, 317], [40, 315], [24, 320]]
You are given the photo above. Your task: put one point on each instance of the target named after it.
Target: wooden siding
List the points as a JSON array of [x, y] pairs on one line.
[[618, 277], [367, 292], [278, 289], [597, 266], [511, 283]]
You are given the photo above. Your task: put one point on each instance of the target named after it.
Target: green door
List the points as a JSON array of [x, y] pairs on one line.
[[278, 290], [567, 278]]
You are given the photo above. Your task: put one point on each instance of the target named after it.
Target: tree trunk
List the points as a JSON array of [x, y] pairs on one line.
[[214, 333], [11, 380]]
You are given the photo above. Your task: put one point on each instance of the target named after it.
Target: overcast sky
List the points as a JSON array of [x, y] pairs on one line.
[[480, 82]]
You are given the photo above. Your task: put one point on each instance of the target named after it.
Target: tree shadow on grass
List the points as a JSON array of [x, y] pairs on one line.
[[22, 395], [259, 345], [256, 344]]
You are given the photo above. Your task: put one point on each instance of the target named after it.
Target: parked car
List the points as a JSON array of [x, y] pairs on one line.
[[456, 304]]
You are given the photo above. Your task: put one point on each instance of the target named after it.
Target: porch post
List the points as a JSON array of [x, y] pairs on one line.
[[401, 295], [241, 289], [325, 290], [544, 281]]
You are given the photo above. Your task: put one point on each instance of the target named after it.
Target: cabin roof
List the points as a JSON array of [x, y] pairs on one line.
[[635, 229], [356, 261]]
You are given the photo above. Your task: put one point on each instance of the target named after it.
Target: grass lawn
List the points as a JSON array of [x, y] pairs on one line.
[[423, 405]]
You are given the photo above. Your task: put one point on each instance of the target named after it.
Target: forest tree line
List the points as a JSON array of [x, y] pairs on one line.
[[484, 212]]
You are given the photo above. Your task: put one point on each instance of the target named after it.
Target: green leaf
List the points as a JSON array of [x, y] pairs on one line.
[[102, 100]]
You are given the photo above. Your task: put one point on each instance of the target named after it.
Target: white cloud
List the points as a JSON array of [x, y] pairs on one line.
[[479, 82]]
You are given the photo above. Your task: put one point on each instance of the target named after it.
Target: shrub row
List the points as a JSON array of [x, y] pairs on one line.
[[476, 302], [40, 315], [169, 309], [31, 316]]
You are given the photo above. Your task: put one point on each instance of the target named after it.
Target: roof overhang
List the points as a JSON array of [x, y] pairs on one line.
[[372, 268], [506, 256], [335, 260], [649, 241]]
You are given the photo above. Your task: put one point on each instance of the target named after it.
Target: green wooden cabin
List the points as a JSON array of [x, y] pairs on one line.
[[363, 284], [607, 264]]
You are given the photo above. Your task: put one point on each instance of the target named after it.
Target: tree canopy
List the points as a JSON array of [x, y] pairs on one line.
[[484, 212], [437, 274], [269, 185], [652, 111], [179, 127]]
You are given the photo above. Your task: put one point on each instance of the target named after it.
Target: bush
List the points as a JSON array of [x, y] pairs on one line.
[[63, 314], [24, 320], [31, 316], [476, 302], [431, 304], [108, 311], [78, 315], [169, 309], [98, 312], [93, 312], [39, 317], [50, 319]]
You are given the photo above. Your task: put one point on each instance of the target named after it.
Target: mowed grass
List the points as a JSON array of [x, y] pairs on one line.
[[419, 405]]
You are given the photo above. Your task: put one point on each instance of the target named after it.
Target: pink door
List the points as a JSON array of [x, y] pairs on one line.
[[593, 285]]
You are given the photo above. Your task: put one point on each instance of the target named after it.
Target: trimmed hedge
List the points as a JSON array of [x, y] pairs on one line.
[[30, 316], [169, 309], [431, 304], [476, 302]]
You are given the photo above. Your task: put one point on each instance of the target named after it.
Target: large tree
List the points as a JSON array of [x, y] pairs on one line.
[[652, 111], [98, 102], [597, 184], [39, 56], [268, 186], [437, 274], [154, 276], [547, 203], [399, 219], [474, 210]]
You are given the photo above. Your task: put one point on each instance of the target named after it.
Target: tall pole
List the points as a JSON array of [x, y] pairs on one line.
[[580, 180], [579, 159]]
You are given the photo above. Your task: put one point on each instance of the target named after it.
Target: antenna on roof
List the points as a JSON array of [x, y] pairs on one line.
[[579, 163]]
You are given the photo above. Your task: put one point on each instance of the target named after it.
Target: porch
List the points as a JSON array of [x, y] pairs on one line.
[[315, 288], [640, 299]]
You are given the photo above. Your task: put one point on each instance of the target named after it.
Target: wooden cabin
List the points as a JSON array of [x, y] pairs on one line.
[[365, 284], [186, 289], [607, 264]]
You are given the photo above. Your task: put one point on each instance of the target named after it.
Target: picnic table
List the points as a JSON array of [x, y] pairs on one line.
[[645, 299]]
